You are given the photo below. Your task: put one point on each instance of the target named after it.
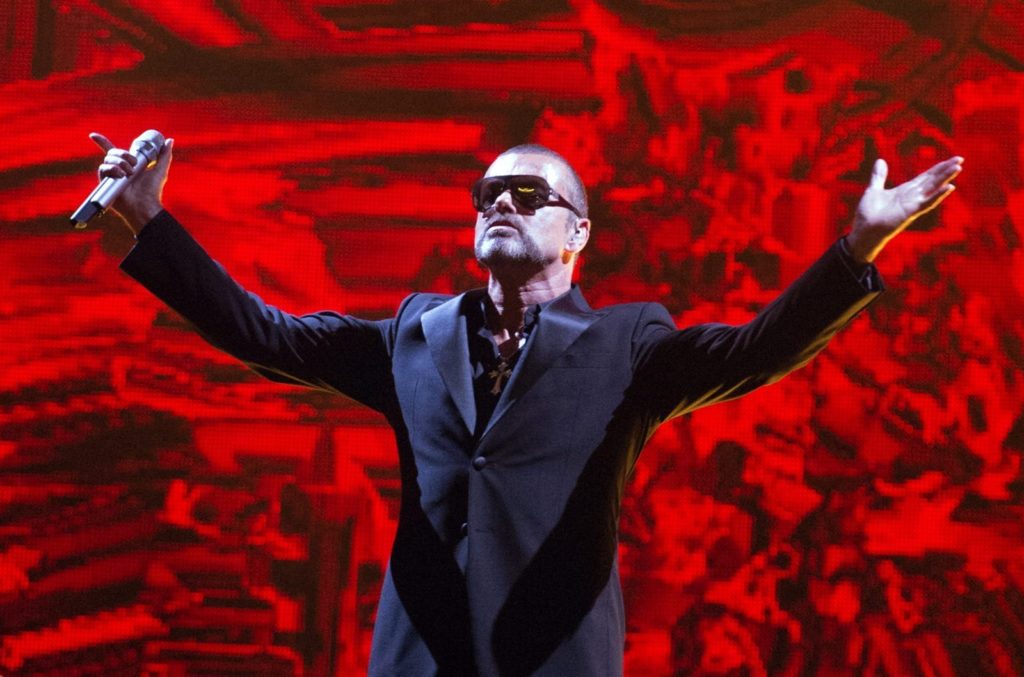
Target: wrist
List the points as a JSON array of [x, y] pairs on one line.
[[137, 216], [862, 248]]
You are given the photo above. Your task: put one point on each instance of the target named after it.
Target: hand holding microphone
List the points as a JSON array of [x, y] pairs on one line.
[[131, 180]]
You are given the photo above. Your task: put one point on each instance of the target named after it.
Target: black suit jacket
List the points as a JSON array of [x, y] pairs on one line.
[[504, 562]]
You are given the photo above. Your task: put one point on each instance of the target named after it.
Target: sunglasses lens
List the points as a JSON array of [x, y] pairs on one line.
[[486, 191], [531, 192]]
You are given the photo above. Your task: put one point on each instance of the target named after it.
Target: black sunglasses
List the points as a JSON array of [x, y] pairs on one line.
[[532, 192]]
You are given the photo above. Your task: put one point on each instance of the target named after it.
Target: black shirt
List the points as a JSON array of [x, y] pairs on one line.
[[489, 379]]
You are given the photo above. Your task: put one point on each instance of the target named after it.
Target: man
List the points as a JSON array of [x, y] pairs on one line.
[[518, 410]]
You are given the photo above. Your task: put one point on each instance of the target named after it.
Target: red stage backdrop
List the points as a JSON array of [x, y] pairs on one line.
[[163, 511]]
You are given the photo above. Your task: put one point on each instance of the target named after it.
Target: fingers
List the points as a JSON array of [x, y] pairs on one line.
[[879, 173], [101, 141], [942, 173], [930, 182], [108, 171], [953, 164], [932, 186], [117, 164], [936, 200]]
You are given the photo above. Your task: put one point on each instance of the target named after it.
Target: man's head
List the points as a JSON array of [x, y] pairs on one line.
[[514, 235]]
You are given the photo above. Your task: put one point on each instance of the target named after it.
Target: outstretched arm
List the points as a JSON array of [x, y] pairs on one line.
[[322, 350], [683, 370], [883, 213]]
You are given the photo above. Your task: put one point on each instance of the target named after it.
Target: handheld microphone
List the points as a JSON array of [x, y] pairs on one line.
[[146, 148]]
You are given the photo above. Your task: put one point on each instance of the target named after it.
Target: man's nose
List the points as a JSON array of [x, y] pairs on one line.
[[504, 203]]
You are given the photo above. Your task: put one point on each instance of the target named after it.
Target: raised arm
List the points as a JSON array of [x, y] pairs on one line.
[[682, 370], [323, 350], [679, 371]]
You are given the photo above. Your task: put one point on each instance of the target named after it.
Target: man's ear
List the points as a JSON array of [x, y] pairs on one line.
[[579, 236]]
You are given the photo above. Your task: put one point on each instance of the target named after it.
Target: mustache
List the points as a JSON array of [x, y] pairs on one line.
[[502, 221]]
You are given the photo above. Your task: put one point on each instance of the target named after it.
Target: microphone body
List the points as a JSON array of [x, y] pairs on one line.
[[145, 148]]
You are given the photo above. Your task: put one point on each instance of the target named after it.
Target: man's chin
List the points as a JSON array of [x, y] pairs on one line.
[[502, 257], [498, 250]]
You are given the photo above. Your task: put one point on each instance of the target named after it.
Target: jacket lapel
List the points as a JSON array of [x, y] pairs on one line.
[[558, 326], [445, 330]]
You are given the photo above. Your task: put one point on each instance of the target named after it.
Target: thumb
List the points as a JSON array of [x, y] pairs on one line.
[[879, 173], [163, 160]]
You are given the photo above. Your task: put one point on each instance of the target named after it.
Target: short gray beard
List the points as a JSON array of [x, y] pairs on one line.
[[500, 252]]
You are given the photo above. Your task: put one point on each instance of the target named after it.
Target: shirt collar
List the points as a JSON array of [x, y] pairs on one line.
[[531, 315]]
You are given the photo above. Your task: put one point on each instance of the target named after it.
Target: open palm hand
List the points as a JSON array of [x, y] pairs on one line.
[[884, 212]]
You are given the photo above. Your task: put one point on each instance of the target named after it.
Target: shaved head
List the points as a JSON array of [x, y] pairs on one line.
[[577, 192]]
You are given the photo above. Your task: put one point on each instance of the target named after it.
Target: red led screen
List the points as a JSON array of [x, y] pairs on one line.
[[164, 511]]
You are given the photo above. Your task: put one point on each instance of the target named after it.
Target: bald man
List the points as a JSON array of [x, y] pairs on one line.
[[518, 410]]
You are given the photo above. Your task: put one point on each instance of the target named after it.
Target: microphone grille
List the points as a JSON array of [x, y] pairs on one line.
[[152, 136], [148, 144]]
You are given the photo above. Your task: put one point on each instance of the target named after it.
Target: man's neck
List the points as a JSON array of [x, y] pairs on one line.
[[510, 300]]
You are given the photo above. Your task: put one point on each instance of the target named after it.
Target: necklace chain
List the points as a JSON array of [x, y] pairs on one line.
[[503, 371], [517, 339]]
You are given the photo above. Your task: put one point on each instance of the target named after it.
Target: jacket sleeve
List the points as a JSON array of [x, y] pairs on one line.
[[322, 350], [678, 371]]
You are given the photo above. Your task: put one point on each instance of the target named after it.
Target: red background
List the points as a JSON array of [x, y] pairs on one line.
[[164, 511]]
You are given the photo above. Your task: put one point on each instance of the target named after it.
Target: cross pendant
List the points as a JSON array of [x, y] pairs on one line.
[[499, 375]]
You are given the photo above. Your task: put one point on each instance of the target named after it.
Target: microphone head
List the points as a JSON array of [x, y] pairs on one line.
[[147, 145]]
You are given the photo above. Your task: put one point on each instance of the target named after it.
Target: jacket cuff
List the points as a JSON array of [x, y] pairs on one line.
[[158, 222], [866, 274]]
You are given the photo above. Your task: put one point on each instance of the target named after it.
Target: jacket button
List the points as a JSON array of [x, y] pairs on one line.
[[464, 529], [479, 462]]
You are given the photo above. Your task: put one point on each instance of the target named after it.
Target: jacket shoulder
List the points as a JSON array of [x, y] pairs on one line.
[[639, 312], [417, 303]]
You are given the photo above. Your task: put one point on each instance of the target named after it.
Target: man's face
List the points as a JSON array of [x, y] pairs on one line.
[[509, 235]]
